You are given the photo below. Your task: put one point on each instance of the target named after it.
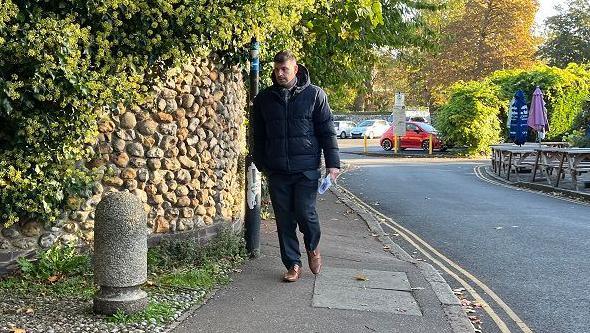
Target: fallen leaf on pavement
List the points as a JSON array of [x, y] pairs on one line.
[[361, 277], [386, 247], [18, 330], [498, 228], [374, 235]]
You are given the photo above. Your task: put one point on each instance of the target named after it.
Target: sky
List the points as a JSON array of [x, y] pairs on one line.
[[546, 9]]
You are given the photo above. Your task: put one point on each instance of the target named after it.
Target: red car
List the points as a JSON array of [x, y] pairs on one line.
[[417, 135]]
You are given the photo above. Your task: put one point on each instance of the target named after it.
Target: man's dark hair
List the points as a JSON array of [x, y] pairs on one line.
[[284, 56]]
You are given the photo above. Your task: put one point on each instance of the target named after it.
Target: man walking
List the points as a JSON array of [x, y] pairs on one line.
[[292, 125]]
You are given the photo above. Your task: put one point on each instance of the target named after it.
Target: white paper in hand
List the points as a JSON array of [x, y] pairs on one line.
[[325, 185]]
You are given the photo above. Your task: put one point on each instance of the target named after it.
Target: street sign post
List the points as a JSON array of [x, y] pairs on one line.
[[399, 119]]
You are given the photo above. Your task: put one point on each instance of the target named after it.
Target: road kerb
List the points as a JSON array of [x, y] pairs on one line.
[[455, 315], [375, 226], [537, 187]]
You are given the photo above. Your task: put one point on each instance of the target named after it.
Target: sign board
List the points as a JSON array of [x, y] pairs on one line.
[[399, 120], [400, 99]]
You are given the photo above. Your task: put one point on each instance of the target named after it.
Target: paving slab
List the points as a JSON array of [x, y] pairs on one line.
[[364, 290]]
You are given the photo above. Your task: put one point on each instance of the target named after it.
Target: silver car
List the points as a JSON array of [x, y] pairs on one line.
[[343, 128], [372, 128]]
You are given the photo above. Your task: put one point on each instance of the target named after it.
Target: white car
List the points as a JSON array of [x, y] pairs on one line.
[[373, 128], [343, 128]]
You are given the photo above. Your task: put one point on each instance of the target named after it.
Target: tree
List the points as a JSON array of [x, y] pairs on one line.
[[342, 43], [568, 35], [476, 37]]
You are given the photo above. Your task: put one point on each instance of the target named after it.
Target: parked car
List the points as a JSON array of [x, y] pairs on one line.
[[343, 128], [373, 128], [417, 136]]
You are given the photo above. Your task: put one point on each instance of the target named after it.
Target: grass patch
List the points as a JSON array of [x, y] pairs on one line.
[[73, 286], [206, 277], [174, 254], [59, 271], [160, 312], [62, 271]]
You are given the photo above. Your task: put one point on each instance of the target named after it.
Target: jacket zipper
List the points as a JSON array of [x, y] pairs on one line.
[[287, 130]]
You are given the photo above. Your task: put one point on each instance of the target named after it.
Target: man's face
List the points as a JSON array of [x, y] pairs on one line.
[[285, 71]]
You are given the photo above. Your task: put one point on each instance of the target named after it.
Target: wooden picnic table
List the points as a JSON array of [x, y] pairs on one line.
[[509, 157], [504, 153], [572, 161]]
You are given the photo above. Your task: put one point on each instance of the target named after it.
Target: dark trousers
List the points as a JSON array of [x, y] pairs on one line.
[[293, 199]]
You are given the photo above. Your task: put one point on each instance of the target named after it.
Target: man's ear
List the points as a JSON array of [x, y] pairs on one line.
[[296, 67]]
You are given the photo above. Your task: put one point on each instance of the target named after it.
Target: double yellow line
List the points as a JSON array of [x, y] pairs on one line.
[[451, 268]]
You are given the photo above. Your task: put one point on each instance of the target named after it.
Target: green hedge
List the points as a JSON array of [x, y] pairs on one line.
[[476, 113], [565, 92], [470, 118]]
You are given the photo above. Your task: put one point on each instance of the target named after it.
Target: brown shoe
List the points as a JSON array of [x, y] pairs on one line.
[[315, 261], [292, 274]]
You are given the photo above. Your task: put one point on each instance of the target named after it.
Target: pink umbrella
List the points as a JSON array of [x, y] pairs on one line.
[[538, 115]]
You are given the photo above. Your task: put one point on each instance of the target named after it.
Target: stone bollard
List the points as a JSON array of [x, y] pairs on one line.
[[120, 254]]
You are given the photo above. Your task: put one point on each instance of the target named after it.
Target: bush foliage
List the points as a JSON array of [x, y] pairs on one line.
[[476, 113], [65, 63], [470, 118], [564, 91]]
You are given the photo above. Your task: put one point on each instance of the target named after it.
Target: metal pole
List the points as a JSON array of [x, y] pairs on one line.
[[253, 179], [365, 142], [430, 143]]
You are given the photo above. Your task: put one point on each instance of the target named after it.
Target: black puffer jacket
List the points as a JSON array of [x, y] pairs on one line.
[[292, 127]]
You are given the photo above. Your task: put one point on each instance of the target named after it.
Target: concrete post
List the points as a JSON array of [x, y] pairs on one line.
[[120, 254]]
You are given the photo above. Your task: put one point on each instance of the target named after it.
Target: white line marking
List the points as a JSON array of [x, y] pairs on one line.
[[479, 174]]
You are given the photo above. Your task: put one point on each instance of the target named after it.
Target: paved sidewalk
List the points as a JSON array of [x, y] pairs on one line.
[[365, 286]]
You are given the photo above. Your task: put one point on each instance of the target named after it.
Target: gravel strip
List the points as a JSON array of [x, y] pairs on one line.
[[49, 314]]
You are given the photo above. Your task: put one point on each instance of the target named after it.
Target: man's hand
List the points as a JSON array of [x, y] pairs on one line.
[[333, 172]]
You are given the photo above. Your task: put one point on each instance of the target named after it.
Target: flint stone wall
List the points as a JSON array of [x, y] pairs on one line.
[[181, 154]]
